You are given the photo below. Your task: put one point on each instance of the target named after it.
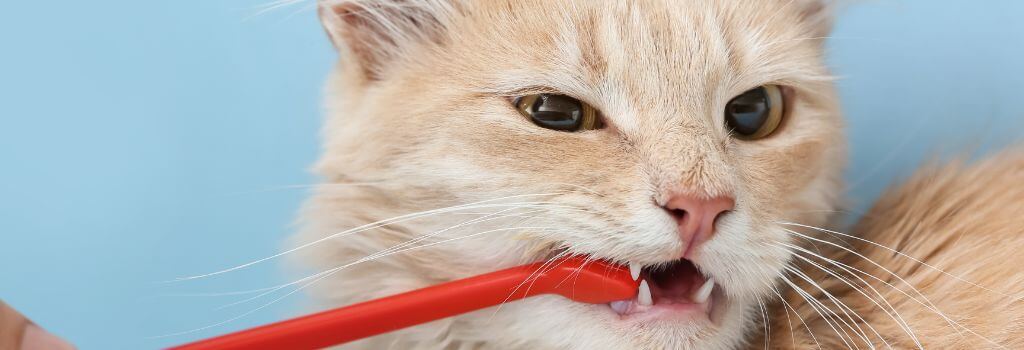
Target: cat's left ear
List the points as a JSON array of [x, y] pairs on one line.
[[374, 33], [817, 15]]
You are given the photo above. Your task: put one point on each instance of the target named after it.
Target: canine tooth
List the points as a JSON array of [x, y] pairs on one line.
[[702, 294], [643, 297], [634, 270]]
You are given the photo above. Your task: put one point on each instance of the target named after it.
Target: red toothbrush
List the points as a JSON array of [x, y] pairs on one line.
[[593, 282]]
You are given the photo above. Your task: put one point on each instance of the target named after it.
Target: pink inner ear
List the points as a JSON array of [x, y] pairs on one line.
[[373, 32], [353, 33]]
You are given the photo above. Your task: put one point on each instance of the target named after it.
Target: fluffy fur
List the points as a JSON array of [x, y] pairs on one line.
[[957, 280], [419, 121]]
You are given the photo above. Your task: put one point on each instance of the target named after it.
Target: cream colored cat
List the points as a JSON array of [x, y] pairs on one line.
[[957, 281], [468, 136]]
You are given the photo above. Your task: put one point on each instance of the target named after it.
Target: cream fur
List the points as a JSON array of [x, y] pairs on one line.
[[968, 224], [419, 119]]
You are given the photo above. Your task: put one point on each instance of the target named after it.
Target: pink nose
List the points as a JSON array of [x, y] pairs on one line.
[[696, 217]]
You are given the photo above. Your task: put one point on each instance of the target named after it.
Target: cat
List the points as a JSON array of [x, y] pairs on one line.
[[671, 136], [935, 264]]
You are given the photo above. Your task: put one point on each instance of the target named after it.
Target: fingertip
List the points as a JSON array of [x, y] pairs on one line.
[[36, 338]]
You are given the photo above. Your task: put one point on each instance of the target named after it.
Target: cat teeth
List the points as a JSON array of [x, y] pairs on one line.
[[634, 270], [704, 292], [643, 297]]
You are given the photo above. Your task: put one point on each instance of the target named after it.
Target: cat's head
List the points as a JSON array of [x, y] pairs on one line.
[[671, 135]]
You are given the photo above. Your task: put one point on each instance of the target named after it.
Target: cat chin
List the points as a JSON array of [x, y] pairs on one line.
[[559, 324]]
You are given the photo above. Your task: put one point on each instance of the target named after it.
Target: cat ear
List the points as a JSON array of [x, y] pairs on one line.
[[373, 33], [817, 14]]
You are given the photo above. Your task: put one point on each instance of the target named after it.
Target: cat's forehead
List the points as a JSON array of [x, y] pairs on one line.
[[670, 57]]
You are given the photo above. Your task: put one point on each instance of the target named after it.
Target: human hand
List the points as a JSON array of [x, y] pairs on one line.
[[17, 332]]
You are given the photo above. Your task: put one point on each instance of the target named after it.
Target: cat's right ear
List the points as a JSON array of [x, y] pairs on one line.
[[375, 33], [817, 15]]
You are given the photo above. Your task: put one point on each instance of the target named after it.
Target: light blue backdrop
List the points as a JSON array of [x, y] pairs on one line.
[[145, 140]]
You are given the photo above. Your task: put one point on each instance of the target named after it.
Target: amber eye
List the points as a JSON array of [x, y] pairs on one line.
[[756, 113], [558, 112]]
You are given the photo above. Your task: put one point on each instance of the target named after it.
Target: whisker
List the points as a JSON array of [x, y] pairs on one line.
[[894, 314], [330, 273], [842, 307], [306, 186], [802, 321], [550, 267], [370, 226], [958, 278], [927, 302], [764, 318], [575, 275], [532, 278], [269, 7], [374, 256], [215, 294], [878, 265], [814, 304]]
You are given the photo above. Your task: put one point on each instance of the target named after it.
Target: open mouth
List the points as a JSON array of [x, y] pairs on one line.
[[675, 289]]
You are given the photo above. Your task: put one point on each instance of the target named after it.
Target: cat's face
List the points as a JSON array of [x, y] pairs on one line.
[[423, 115]]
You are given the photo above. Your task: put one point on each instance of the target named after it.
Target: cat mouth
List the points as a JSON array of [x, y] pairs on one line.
[[673, 290]]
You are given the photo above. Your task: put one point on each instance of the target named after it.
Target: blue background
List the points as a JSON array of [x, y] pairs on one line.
[[146, 140]]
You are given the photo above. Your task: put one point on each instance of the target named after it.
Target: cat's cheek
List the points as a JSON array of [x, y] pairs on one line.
[[777, 173], [745, 255]]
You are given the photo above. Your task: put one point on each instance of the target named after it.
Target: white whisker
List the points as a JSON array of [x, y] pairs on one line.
[[814, 304], [842, 307], [802, 321], [958, 278], [927, 302], [894, 314], [548, 264], [377, 224], [374, 256], [764, 318], [334, 270]]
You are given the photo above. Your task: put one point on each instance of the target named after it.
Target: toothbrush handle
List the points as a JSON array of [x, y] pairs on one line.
[[386, 314]]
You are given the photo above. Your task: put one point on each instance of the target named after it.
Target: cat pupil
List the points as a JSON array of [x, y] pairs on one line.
[[557, 112], [747, 113]]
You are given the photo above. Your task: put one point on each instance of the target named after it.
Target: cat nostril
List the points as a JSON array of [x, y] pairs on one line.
[[697, 217], [679, 214]]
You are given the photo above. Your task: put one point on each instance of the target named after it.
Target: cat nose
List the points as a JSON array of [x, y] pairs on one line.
[[696, 217]]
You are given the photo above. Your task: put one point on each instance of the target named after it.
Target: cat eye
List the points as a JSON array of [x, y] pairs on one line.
[[558, 112], [757, 113]]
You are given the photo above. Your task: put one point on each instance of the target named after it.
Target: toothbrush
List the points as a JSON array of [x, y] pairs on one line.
[[576, 278]]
